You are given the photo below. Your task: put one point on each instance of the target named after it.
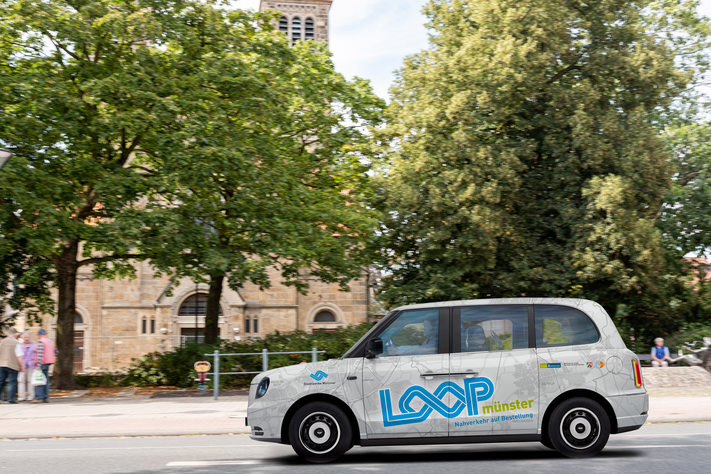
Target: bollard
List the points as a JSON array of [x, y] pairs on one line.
[[216, 379], [314, 355], [265, 360]]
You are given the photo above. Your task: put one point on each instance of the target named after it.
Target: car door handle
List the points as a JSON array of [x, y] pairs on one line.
[[466, 374], [432, 374]]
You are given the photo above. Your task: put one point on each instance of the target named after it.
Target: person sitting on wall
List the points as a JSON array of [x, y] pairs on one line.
[[660, 353]]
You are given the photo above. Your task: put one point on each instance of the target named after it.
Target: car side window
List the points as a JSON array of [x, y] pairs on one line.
[[412, 333], [563, 326], [494, 328]]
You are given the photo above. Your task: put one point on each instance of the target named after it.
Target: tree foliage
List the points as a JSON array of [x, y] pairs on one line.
[[686, 218], [108, 103], [270, 171], [527, 160]]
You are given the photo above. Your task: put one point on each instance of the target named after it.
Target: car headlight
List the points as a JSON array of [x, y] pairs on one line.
[[263, 387]]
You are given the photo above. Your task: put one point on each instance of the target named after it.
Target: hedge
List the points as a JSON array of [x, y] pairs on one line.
[[175, 368]]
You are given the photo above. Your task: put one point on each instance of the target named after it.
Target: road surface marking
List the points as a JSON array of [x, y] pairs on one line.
[[669, 434], [648, 446], [128, 448], [210, 463]]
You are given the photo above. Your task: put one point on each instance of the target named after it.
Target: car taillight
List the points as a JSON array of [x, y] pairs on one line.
[[637, 373]]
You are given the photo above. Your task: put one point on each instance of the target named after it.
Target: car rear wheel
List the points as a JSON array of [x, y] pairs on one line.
[[579, 428], [320, 432]]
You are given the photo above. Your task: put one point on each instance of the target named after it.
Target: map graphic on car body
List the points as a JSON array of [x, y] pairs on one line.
[[461, 371]]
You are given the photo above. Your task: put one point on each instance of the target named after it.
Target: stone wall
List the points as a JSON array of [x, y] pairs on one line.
[[675, 377]]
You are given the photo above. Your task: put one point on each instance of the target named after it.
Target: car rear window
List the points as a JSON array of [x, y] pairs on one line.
[[563, 326]]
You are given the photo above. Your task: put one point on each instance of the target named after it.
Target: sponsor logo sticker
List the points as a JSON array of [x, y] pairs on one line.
[[556, 365], [318, 376], [468, 401], [601, 364]]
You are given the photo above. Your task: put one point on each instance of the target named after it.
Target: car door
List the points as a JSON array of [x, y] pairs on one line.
[[569, 355], [493, 371], [406, 388]]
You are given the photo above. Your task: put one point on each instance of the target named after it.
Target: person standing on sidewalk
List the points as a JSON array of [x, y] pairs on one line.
[[46, 354], [26, 391], [10, 363]]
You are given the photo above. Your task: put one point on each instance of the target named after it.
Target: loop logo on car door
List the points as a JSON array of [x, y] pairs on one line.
[[474, 391]]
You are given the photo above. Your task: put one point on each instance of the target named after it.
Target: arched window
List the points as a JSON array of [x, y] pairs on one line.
[[143, 326], [284, 25], [309, 30], [325, 317], [255, 325], [195, 305], [295, 30], [153, 326], [78, 319], [247, 329]]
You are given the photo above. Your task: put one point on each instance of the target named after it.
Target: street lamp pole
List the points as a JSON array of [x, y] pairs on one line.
[[197, 301], [4, 156]]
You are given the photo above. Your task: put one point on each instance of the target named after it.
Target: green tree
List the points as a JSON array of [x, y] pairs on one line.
[[686, 217], [94, 94], [117, 129], [685, 220], [527, 160], [271, 170]]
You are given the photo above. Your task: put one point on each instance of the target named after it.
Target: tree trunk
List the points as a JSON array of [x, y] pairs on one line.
[[66, 264], [212, 313]]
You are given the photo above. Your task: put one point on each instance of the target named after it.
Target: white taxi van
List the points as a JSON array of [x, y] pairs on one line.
[[550, 370]]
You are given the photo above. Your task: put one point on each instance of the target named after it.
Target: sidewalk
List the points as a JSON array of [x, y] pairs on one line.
[[128, 414], [127, 417], [668, 409]]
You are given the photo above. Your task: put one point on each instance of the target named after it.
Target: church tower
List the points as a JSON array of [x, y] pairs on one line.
[[302, 19]]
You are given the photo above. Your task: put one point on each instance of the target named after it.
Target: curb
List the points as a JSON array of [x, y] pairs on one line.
[[119, 434], [684, 419]]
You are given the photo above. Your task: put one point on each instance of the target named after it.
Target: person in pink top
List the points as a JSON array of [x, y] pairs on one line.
[[46, 354]]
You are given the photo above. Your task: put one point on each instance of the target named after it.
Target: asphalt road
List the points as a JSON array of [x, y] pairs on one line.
[[668, 448]]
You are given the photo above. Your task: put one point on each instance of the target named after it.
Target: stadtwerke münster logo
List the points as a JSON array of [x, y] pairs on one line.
[[318, 376]]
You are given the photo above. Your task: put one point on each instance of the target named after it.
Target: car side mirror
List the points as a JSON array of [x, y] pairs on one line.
[[373, 348]]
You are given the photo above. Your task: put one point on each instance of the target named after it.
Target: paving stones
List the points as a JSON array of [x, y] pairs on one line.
[[675, 377]]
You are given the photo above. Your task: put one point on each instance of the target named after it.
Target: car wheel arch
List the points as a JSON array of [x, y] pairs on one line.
[[319, 397], [580, 393]]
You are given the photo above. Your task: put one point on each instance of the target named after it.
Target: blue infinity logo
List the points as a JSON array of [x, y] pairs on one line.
[[474, 391], [318, 376]]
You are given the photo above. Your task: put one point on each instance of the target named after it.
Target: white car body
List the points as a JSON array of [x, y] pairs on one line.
[[501, 396]]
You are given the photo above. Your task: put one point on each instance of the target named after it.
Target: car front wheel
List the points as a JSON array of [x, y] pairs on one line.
[[320, 432], [579, 428]]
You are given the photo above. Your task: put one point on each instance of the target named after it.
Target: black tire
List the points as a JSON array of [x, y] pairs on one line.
[[546, 441], [320, 432], [579, 428]]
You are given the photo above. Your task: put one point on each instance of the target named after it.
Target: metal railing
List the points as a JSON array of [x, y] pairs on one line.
[[265, 364]]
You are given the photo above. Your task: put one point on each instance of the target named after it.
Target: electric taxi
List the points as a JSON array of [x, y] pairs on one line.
[[550, 370]]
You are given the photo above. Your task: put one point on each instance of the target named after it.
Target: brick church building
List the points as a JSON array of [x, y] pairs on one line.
[[118, 320]]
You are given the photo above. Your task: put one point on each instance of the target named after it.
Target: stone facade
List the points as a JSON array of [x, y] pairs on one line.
[[118, 320], [317, 10], [123, 319]]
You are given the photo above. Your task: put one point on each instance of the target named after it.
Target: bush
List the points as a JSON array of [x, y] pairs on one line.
[[693, 332], [176, 367], [102, 379]]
